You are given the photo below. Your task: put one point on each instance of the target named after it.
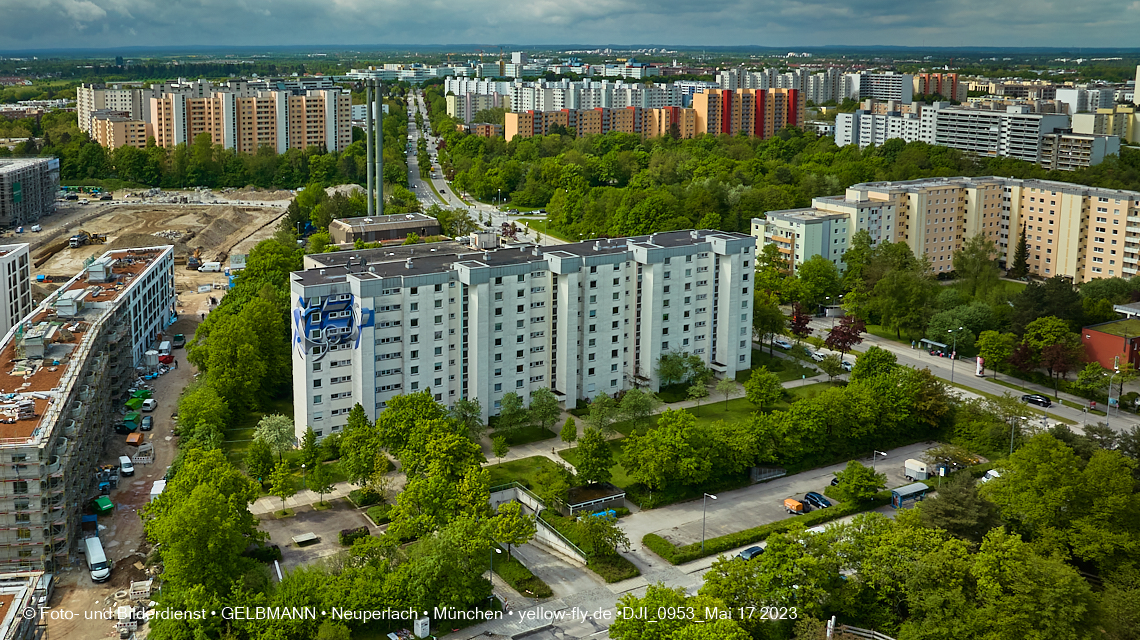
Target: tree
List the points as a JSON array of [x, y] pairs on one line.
[[875, 362], [602, 534], [359, 447], [669, 453], [512, 414], [282, 483], [671, 368], [595, 458], [544, 407], [995, 348], [903, 299], [763, 387], [832, 365], [278, 432], [660, 624], [202, 415], [1059, 360], [767, 319], [845, 335], [320, 481], [468, 412], [976, 264], [604, 411], [697, 391], [310, 454], [816, 279], [511, 526], [203, 524], [798, 321], [412, 238], [726, 387], [499, 447], [959, 510], [569, 432], [259, 461], [1020, 267], [637, 405], [858, 483]]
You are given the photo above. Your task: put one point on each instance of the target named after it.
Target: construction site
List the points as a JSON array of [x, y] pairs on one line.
[[210, 232]]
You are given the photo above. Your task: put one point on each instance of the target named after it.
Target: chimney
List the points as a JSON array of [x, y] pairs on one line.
[[597, 245], [408, 263]]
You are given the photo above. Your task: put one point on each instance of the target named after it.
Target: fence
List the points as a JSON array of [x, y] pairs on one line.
[[840, 631], [763, 474]]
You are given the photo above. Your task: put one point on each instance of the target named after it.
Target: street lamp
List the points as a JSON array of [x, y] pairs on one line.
[[1012, 429], [703, 502], [875, 456], [1108, 409], [953, 352], [303, 477], [491, 598]]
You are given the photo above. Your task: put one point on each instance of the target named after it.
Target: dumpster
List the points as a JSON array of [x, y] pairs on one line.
[[135, 439], [134, 403], [103, 504], [132, 420], [142, 393]]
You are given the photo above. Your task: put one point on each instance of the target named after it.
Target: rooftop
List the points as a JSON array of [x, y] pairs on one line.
[[386, 221], [1123, 328], [36, 354]]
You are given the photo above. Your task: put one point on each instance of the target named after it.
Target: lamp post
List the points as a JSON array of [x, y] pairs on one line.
[[953, 352], [1012, 429], [304, 477], [875, 456], [1108, 409], [491, 578], [703, 502]]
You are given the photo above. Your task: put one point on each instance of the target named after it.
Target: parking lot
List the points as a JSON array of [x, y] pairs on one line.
[[326, 524]]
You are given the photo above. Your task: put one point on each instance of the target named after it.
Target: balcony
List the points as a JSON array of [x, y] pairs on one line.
[[77, 410], [70, 429], [53, 466]]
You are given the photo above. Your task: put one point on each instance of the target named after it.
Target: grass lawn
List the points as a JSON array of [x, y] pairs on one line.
[[885, 333], [542, 225], [526, 435], [520, 578], [784, 368], [522, 470], [619, 477]]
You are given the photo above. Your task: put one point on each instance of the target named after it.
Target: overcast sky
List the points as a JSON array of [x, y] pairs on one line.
[[33, 24]]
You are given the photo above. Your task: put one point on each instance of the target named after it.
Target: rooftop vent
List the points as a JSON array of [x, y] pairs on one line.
[[368, 219], [408, 263], [597, 245]]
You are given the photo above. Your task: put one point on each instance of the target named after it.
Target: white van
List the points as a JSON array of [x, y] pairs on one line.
[[97, 560], [210, 266], [126, 467], [164, 348]]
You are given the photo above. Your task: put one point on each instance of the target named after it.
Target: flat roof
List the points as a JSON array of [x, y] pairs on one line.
[[375, 223], [1129, 327], [25, 378]]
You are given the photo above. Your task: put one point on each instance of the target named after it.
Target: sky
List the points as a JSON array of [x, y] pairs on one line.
[[51, 24]]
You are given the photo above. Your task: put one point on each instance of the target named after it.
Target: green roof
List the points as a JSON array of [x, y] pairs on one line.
[[1129, 328]]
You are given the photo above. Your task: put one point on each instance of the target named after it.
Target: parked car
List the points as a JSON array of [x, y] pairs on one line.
[[179, 341], [848, 365], [816, 500], [783, 344], [147, 423], [750, 553], [150, 404], [1037, 399], [817, 356], [990, 475], [125, 466], [835, 481]]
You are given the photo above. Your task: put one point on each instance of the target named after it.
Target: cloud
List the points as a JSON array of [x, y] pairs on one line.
[[791, 23]]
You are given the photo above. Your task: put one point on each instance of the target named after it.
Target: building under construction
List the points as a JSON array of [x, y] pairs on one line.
[[28, 187], [68, 368]]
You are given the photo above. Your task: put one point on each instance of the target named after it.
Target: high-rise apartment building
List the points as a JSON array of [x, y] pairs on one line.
[[885, 86], [580, 319], [644, 122], [28, 187], [113, 131], [756, 112], [1121, 121], [1071, 229], [118, 97], [941, 84], [1067, 151], [16, 290], [465, 106], [71, 364]]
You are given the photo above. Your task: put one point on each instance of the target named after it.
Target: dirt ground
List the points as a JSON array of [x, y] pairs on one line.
[[122, 531]]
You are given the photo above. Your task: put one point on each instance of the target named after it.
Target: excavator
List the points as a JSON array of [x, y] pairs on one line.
[[83, 238], [194, 260]]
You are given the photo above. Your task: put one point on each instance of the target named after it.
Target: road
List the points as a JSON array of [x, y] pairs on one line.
[[436, 190]]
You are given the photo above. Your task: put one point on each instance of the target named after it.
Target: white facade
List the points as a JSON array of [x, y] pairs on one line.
[[583, 319], [886, 86], [15, 291]]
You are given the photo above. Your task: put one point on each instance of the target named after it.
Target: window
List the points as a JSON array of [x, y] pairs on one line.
[[20, 486], [498, 295], [415, 354], [590, 371], [498, 371], [498, 326], [664, 346], [438, 303], [317, 384], [498, 387], [439, 351], [317, 399], [23, 534]]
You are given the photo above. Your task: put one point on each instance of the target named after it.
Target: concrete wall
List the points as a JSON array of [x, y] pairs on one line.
[[544, 535]]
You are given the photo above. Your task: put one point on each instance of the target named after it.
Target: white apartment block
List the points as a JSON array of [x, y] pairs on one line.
[[581, 319], [71, 364], [16, 290], [800, 234], [465, 106]]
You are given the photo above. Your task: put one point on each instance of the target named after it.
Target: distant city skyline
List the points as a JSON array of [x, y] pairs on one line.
[[796, 24]]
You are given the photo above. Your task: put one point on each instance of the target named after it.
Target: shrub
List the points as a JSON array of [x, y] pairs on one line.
[[365, 497], [350, 536], [379, 514], [521, 579], [614, 568], [264, 554], [680, 555]]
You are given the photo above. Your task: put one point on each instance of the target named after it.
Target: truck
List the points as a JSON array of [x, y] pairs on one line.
[[915, 470], [83, 238], [194, 260], [210, 266], [97, 562]]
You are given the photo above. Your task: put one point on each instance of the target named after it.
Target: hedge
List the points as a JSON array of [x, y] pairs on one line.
[[379, 514], [350, 536], [521, 579], [713, 546], [365, 497]]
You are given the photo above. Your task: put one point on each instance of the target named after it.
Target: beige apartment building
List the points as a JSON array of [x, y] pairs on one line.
[[1073, 230], [645, 122], [114, 131]]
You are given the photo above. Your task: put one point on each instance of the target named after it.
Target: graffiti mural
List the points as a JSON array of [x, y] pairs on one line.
[[323, 324]]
